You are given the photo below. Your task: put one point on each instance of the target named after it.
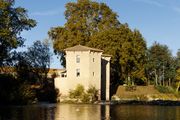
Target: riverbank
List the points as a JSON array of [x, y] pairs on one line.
[[144, 95], [153, 102], [147, 95]]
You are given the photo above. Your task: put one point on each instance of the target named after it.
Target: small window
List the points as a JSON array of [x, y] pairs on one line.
[[62, 75], [93, 73], [77, 72], [93, 59], [77, 58]]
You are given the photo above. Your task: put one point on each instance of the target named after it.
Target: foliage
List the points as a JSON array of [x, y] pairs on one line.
[[13, 91], [127, 49], [161, 65], [177, 79], [81, 95], [178, 59], [92, 92], [85, 18], [24, 94], [13, 20], [164, 89], [77, 93], [31, 67], [38, 55], [96, 25], [23, 68], [47, 92]]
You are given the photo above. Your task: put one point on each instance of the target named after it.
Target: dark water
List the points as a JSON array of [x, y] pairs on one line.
[[89, 112]]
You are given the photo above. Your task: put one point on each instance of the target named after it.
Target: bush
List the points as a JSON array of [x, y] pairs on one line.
[[165, 89], [47, 92], [81, 95], [24, 95], [93, 94], [77, 93], [15, 91]]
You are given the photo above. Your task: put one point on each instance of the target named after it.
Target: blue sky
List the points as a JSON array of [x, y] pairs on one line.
[[157, 20]]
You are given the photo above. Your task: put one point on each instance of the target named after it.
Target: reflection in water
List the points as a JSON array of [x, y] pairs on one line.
[[140, 112], [78, 112], [89, 112], [105, 112]]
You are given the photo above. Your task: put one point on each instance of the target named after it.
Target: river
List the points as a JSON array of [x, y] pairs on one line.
[[89, 112]]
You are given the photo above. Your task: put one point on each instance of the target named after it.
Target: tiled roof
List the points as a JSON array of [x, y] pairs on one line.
[[52, 70], [8, 69], [82, 48]]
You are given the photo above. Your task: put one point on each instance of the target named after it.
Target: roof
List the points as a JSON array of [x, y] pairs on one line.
[[82, 48], [52, 70], [9, 69]]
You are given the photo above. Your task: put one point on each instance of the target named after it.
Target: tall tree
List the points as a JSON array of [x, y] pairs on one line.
[[178, 71], [84, 19], [13, 20], [127, 49], [178, 58], [160, 63], [96, 25], [38, 57], [178, 79]]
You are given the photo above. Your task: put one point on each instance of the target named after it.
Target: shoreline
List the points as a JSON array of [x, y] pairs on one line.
[[130, 102], [113, 102], [153, 102]]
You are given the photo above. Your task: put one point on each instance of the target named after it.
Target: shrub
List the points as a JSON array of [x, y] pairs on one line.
[[165, 89], [93, 94], [81, 95], [77, 93]]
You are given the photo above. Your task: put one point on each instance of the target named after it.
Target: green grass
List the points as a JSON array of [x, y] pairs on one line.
[[165, 89]]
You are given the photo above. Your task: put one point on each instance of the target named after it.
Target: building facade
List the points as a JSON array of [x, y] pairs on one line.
[[88, 67]]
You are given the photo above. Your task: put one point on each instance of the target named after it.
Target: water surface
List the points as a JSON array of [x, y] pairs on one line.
[[89, 112]]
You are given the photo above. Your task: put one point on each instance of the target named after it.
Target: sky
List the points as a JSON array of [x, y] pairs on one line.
[[157, 20]]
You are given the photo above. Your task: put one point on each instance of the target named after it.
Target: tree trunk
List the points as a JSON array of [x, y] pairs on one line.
[[177, 89], [156, 81], [163, 82], [169, 82]]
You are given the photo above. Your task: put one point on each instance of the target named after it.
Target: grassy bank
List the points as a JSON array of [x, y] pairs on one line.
[[145, 93]]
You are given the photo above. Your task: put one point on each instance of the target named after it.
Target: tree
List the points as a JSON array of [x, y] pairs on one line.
[[178, 58], [178, 79], [178, 71], [128, 52], [160, 63], [96, 25], [13, 20], [85, 18], [23, 68], [38, 56]]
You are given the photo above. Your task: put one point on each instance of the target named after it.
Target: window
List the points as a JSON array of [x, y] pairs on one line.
[[93, 59], [77, 58], [93, 73], [77, 72], [62, 75]]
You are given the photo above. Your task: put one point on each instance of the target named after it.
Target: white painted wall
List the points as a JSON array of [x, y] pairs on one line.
[[87, 67], [90, 72]]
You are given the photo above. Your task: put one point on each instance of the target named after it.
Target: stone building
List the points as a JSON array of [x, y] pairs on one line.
[[88, 67]]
